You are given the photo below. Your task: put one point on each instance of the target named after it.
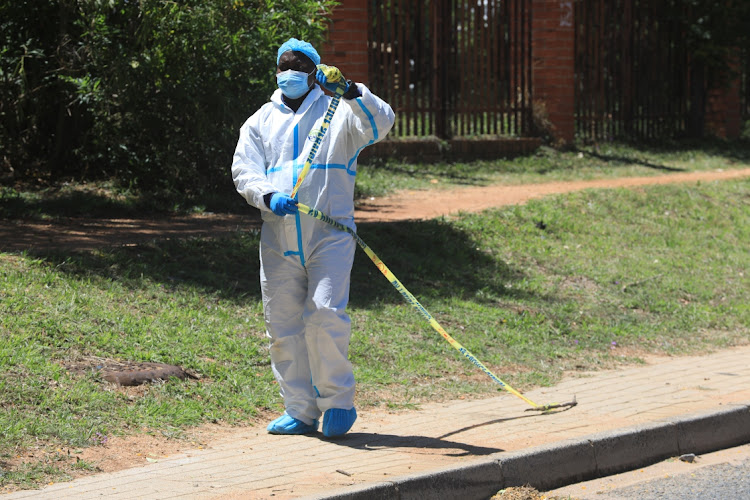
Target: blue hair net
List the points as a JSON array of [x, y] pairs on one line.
[[299, 46]]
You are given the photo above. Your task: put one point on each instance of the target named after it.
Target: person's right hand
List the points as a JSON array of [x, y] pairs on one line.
[[330, 77], [282, 204]]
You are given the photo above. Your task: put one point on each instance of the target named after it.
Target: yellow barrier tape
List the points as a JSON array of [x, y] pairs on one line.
[[332, 73], [407, 295], [326, 122]]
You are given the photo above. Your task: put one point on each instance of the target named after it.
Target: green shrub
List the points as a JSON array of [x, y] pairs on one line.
[[151, 93]]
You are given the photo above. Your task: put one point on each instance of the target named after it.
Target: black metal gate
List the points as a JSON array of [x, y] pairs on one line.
[[631, 70], [453, 68]]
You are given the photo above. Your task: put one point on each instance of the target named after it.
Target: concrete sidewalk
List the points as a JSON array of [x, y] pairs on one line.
[[465, 449]]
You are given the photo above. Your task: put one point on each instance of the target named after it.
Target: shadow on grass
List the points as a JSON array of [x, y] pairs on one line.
[[461, 174], [50, 204], [615, 160], [431, 258], [82, 201], [737, 150], [730, 150]]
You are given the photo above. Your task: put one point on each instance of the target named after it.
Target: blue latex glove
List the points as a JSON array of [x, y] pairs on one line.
[[282, 204], [329, 77]]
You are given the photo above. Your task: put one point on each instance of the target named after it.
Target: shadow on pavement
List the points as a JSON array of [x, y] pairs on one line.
[[376, 442]]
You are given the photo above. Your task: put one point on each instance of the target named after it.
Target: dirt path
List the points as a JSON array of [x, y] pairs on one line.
[[426, 205], [89, 233]]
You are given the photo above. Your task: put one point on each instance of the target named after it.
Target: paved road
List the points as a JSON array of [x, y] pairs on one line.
[[720, 475]]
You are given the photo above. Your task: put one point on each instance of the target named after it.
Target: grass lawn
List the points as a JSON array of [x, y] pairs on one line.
[[580, 281]]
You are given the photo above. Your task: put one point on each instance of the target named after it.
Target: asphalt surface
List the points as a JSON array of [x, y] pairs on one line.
[[714, 476], [467, 449], [719, 482]]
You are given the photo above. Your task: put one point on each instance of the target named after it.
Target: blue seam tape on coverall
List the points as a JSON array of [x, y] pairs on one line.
[[325, 166], [374, 133], [295, 169], [369, 117]]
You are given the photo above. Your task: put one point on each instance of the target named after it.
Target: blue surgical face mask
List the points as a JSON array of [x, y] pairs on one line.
[[293, 84]]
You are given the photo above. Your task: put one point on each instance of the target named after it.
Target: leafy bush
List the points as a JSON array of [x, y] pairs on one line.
[[151, 93]]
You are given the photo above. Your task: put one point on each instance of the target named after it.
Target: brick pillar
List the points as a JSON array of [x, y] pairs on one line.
[[723, 113], [346, 44], [553, 66]]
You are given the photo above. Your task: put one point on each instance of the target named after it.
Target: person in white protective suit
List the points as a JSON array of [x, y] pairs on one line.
[[305, 263]]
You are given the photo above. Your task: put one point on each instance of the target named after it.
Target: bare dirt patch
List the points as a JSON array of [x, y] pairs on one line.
[[425, 205], [127, 373], [92, 233]]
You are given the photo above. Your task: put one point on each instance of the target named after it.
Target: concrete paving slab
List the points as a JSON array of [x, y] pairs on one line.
[[463, 448]]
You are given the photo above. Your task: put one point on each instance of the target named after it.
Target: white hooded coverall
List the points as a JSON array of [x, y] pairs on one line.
[[305, 263]]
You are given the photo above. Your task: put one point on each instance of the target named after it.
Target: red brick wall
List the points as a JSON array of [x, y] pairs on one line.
[[723, 113], [553, 65], [346, 46]]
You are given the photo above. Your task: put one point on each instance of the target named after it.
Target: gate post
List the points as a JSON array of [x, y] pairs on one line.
[[440, 40], [346, 42], [553, 66], [723, 109]]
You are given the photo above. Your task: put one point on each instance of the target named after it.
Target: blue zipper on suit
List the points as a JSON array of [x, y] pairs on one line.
[[295, 168]]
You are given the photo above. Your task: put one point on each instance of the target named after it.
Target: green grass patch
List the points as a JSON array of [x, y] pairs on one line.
[[600, 161], [580, 281]]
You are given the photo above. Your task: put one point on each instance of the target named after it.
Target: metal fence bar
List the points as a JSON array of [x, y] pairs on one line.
[[403, 64], [439, 55], [526, 102], [745, 85], [492, 66], [514, 63], [460, 24], [503, 58], [466, 73]]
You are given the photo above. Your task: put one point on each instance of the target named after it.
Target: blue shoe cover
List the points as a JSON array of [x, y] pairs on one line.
[[337, 422], [290, 425]]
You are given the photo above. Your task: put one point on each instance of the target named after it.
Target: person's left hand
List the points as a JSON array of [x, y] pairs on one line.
[[282, 204], [330, 77]]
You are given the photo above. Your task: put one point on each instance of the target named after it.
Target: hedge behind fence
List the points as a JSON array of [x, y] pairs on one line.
[[151, 92]]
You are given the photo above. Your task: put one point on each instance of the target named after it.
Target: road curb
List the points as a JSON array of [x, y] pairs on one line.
[[568, 461]]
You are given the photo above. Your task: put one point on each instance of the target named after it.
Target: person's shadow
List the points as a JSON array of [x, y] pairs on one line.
[[376, 441]]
